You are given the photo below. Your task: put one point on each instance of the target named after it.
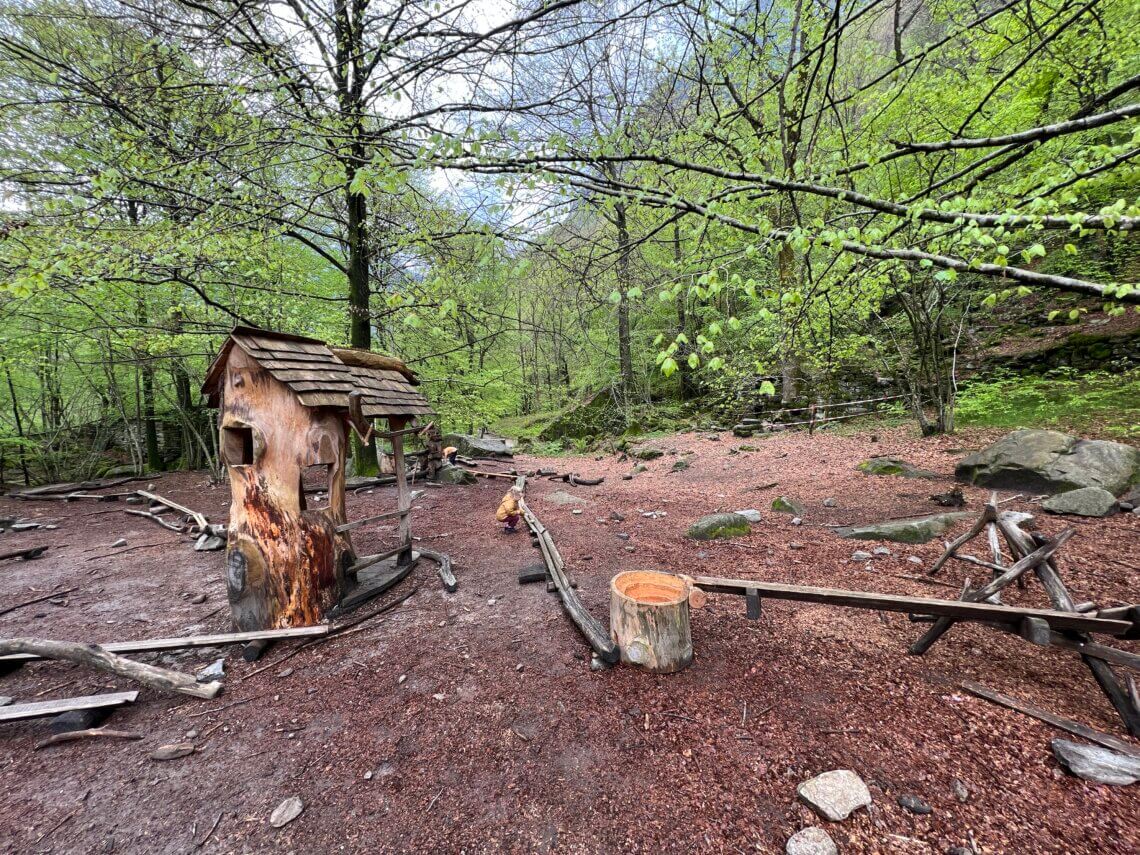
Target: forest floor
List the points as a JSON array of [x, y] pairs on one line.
[[471, 721]]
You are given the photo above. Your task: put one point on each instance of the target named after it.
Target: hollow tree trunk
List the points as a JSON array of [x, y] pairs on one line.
[[649, 620]]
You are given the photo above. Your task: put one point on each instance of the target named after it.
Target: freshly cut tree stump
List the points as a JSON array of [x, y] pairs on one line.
[[649, 620]]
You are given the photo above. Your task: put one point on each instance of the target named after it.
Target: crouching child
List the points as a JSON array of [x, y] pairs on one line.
[[508, 512]]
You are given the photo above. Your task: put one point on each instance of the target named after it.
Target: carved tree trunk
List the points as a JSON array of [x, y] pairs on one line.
[[649, 620]]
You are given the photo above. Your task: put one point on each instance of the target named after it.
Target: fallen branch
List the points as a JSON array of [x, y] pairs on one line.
[[575, 481], [178, 528], [35, 600], [94, 656], [200, 520], [72, 735], [25, 554], [444, 562]]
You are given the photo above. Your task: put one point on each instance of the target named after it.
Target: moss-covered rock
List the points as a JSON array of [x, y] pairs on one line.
[[719, 526], [787, 506], [454, 475], [916, 530], [892, 466], [647, 453]]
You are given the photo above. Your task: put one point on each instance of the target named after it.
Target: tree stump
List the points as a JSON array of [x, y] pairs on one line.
[[649, 620]]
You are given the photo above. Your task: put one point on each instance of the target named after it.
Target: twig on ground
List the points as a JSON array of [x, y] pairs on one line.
[[71, 735]]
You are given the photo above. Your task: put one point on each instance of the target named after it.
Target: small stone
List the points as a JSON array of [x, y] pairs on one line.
[[286, 812], [881, 550], [5, 700], [191, 734], [214, 671], [797, 521], [631, 549], [860, 555], [576, 511], [830, 503], [491, 601], [197, 599], [1124, 506], [914, 804], [401, 678], [960, 791], [210, 543], [122, 541], [368, 775], [597, 664], [811, 841], [835, 795], [614, 515], [172, 751], [914, 559], [627, 477], [312, 690], [795, 544], [284, 672], [439, 696], [519, 667], [621, 535]]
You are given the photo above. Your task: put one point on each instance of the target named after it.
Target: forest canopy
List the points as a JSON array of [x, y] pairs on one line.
[[683, 207]]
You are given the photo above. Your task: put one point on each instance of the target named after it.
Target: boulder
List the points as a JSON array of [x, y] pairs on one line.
[[892, 466], [835, 795], [561, 497], [750, 514], [449, 474], [1085, 502], [787, 506], [915, 530], [477, 446], [812, 840], [1096, 764], [1049, 461], [718, 526], [647, 453]]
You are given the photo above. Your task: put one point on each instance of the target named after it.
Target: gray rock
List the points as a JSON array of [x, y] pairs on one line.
[[960, 790], [892, 466], [1085, 502], [679, 466], [286, 812], [1049, 461], [561, 497], [122, 541], [881, 550], [214, 671], [750, 514], [621, 535], [914, 559], [860, 555], [835, 795], [173, 751], [5, 700], [914, 804], [916, 530], [830, 503], [787, 506], [449, 474], [1132, 496], [478, 446], [209, 543], [614, 515], [811, 841], [717, 526], [647, 453], [1096, 764], [797, 521]]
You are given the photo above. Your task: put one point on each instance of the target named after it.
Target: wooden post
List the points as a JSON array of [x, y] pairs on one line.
[[649, 620], [403, 499]]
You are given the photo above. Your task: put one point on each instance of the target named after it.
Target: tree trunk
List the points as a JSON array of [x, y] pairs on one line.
[[625, 354], [19, 426], [649, 620]]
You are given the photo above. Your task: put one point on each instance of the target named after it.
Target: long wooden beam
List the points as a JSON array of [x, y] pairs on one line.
[[1057, 620], [19, 712], [152, 645]]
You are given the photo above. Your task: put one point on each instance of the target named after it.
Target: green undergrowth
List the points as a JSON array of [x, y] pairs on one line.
[[1089, 403]]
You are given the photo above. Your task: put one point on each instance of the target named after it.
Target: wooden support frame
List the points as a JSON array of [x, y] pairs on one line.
[[40, 709], [403, 497], [752, 604]]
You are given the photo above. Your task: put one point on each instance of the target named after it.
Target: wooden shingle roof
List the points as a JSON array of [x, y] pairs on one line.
[[322, 376]]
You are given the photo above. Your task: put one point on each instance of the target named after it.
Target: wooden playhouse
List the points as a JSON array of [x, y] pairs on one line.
[[286, 404]]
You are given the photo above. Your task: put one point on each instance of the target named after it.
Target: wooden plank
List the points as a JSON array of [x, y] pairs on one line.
[[1066, 724], [19, 712], [369, 560], [349, 526], [918, 605], [152, 645]]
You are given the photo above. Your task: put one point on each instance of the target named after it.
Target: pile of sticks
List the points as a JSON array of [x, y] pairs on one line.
[[1031, 551]]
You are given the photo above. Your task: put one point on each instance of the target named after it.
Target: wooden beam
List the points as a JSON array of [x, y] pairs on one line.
[[369, 560], [199, 519], [349, 526], [152, 645], [918, 605], [1066, 724], [19, 712], [445, 574], [403, 497]]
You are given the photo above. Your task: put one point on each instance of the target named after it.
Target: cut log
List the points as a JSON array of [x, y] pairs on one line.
[[649, 620], [255, 649], [153, 645], [94, 656], [18, 712], [445, 574]]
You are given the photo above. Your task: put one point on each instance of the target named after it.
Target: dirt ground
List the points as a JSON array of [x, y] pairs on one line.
[[472, 722]]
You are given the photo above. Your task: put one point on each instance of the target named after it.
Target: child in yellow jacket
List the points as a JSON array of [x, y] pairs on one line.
[[508, 512]]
